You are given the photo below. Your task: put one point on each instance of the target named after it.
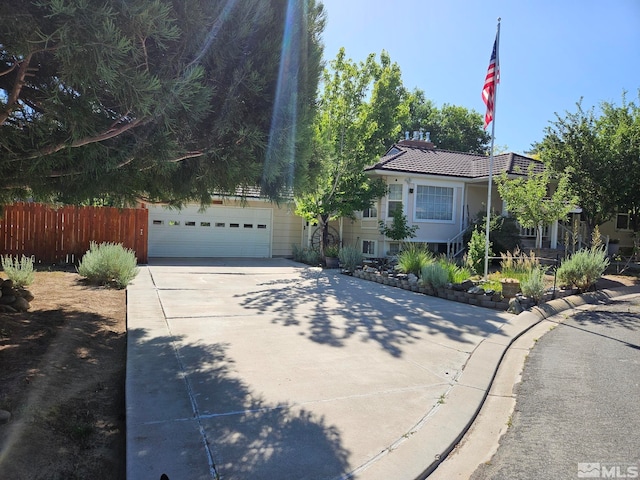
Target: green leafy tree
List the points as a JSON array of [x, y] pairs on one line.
[[601, 156], [529, 200], [155, 99], [361, 108], [451, 127]]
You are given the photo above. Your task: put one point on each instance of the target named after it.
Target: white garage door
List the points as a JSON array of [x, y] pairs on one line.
[[217, 232]]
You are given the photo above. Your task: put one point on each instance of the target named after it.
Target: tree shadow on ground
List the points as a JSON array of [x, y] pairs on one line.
[[336, 307], [617, 320], [247, 436], [65, 394]]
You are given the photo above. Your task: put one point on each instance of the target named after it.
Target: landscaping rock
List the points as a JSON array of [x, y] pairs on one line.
[[21, 304], [13, 299], [464, 286], [515, 306], [26, 294], [7, 299]]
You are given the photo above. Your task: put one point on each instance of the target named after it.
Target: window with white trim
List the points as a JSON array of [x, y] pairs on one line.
[[434, 203], [394, 199], [394, 248], [371, 212], [369, 247]]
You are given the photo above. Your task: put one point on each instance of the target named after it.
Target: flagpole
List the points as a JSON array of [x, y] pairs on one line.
[[493, 131]]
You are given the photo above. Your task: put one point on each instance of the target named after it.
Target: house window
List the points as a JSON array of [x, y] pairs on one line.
[[434, 203], [205, 224], [189, 224], [371, 212], [369, 247], [394, 248], [394, 199], [174, 223], [624, 221]]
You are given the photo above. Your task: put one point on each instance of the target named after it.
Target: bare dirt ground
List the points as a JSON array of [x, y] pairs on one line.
[[62, 373]]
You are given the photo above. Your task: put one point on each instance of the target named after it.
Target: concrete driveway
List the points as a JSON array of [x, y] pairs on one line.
[[245, 369]]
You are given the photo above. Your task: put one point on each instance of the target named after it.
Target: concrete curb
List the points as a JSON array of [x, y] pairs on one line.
[[477, 375]]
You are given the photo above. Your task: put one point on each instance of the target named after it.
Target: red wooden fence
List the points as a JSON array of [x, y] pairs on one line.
[[62, 235]]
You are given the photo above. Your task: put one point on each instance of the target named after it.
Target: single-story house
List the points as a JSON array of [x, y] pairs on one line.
[[440, 192]]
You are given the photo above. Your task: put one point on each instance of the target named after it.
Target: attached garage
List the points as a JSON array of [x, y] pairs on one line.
[[219, 231]]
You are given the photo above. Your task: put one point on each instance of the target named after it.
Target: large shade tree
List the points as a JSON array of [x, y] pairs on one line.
[[158, 99], [362, 107], [600, 153], [451, 127]]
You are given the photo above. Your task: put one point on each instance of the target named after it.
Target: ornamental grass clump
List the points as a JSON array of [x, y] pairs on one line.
[[350, 258], [19, 270], [108, 264], [518, 264], [456, 273], [413, 258], [583, 268]]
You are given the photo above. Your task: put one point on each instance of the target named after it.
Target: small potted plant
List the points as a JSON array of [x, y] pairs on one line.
[[331, 253]]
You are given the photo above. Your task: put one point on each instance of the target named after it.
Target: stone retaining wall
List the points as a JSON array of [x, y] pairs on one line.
[[454, 293]]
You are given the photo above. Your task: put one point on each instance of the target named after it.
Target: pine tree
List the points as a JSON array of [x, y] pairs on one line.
[[156, 99]]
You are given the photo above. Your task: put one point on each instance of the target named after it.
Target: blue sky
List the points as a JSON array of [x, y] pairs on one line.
[[552, 53]]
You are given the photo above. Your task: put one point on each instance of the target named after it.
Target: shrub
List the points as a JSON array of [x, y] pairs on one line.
[[434, 275], [413, 257], [297, 252], [456, 273], [475, 252], [583, 268], [311, 257], [350, 258], [532, 285], [108, 264], [305, 255], [331, 251], [18, 270]]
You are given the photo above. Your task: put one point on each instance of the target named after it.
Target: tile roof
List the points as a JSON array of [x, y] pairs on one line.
[[423, 158]]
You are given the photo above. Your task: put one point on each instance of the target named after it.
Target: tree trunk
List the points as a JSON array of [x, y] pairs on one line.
[[324, 225], [539, 230]]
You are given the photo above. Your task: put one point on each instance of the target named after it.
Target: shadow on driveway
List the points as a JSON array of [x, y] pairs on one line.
[[390, 316], [265, 436]]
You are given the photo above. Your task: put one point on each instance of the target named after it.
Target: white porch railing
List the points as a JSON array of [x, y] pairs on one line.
[[455, 245]]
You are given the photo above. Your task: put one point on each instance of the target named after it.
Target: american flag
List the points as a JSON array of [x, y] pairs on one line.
[[490, 83]]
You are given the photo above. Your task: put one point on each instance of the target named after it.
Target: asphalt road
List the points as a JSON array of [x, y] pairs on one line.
[[578, 405]]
